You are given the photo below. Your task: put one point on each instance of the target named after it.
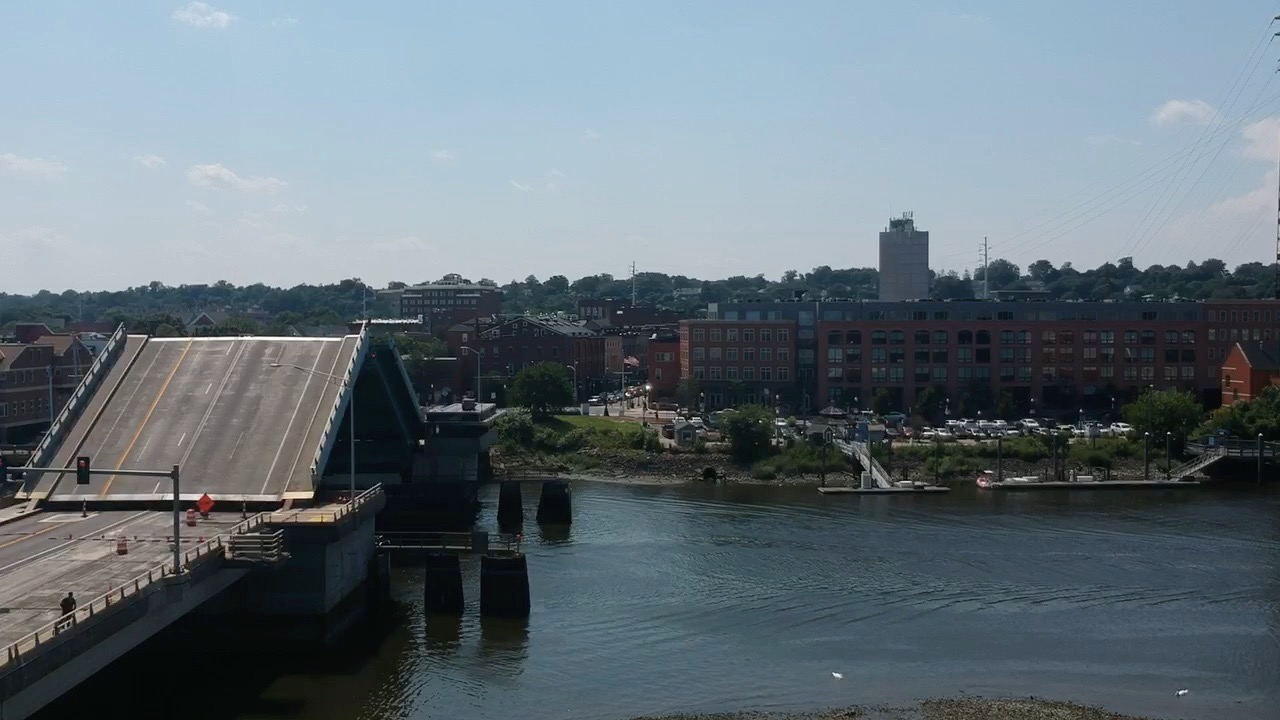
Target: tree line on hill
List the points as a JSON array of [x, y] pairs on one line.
[[332, 304]]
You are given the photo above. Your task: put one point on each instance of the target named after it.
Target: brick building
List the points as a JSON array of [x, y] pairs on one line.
[[509, 344], [734, 362], [449, 301], [663, 361], [615, 312], [1057, 356], [31, 376], [1250, 368]]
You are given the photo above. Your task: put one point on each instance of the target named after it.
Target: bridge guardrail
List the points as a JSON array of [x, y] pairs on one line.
[[91, 377], [308, 516], [139, 586], [348, 378], [450, 541]]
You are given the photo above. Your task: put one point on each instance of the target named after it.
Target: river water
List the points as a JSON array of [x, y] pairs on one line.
[[665, 599]]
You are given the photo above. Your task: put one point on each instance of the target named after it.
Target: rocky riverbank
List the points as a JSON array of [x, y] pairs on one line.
[[938, 709], [642, 468]]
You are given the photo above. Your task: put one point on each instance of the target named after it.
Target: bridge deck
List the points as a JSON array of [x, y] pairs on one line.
[[239, 428], [47, 555]]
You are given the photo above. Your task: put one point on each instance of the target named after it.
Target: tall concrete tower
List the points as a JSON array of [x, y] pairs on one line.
[[904, 260]]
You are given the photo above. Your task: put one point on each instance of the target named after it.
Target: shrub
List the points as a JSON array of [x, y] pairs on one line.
[[516, 429]]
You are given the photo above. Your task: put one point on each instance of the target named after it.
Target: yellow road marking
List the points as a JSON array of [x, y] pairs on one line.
[[147, 418], [51, 528]]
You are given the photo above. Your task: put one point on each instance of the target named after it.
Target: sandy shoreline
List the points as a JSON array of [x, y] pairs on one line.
[[936, 709]]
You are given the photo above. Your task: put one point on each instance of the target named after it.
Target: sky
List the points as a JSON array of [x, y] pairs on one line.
[[292, 142]]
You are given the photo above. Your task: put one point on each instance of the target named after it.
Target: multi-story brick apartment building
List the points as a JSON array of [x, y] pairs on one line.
[[449, 301], [31, 376], [1250, 368], [509, 344], [733, 361], [615, 312], [1055, 355]]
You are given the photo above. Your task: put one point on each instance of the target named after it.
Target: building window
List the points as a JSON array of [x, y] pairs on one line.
[[1006, 355], [853, 355], [715, 372], [1048, 373], [1170, 337], [784, 354], [1090, 337], [834, 337], [784, 335], [1024, 337], [984, 355], [835, 373], [878, 355], [731, 335], [1148, 337], [1108, 372], [878, 337], [715, 334], [1130, 337], [939, 337], [731, 353], [749, 354], [1048, 338], [1188, 337], [921, 374], [984, 337], [1148, 373], [748, 335], [1006, 374], [1108, 337], [879, 374], [766, 354], [835, 355], [1024, 374], [698, 372], [1171, 355], [698, 335], [922, 337], [1148, 355], [896, 374], [897, 337], [897, 355], [853, 337], [699, 353], [1188, 372], [964, 374], [731, 372], [657, 373], [748, 373], [766, 335], [940, 374], [715, 353], [766, 373], [784, 373], [964, 337], [964, 355], [1006, 337]]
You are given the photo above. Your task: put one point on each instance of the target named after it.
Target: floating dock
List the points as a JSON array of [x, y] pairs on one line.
[[926, 489], [1094, 485]]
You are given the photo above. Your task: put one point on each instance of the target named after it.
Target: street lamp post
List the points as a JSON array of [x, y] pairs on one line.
[[1168, 455], [479, 397], [577, 399], [351, 418]]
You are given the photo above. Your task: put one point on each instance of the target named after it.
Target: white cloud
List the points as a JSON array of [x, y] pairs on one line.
[[198, 207], [444, 156], [591, 134], [546, 185], [32, 166], [283, 22], [31, 238], [285, 209], [520, 186], [202, 15], [1174, 112], [1250, 203], [150, 161], [217, 175], [1262, 139]]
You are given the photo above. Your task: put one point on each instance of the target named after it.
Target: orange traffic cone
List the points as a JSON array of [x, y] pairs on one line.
[[191, 518]]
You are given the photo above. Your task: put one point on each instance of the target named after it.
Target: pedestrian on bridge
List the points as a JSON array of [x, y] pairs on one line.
[[68, 609]]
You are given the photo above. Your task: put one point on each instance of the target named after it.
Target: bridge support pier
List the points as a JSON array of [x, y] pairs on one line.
[[555, 505], [442, 588], [510, 507], [504, 586]]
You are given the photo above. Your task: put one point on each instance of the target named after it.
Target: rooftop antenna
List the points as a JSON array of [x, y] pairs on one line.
[[633, 283]]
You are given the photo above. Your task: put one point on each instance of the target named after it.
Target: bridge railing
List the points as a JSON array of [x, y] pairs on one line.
[[90, 379], [347, 385], [135, 588], [309, 515]]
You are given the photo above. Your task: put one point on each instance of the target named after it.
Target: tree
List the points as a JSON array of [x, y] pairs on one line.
[[542, 388], [687, 392], [931, 401], [749, 430], [1164, 411], [1246, 419]]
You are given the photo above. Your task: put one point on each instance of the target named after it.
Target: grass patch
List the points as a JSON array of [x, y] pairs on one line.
[[570, 434], [802, 459]]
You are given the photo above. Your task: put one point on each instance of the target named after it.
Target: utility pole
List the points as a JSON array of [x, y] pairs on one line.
[[633, 283], [984, 257], [1277, 268]]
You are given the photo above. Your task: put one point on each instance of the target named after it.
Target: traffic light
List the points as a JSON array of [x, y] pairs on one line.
[[82, 470]]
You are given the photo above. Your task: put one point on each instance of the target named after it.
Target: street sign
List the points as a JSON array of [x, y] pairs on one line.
[[205, 503]]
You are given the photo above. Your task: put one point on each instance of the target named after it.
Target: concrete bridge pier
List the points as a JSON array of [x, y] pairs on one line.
[[555, 505], [510, 507], [442, 587], [504, 586]]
